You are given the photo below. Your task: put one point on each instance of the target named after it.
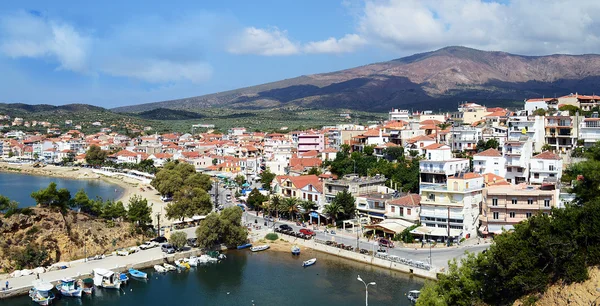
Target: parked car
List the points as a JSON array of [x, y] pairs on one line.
[[148, 245], [167, 248], [159, 239], [307, 232], [132, 250], [385, 243], [285, 227], [122, 252], [193, 242]]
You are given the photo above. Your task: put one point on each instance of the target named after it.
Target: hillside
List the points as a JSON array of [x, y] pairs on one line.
[[437, 79]]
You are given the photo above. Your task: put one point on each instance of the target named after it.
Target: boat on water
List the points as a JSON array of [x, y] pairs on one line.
[[123, 278], [222, 256], [413, 295], [137, 274], [259, 248], [244, 246], [107, 279], [295, 250], [169, 267], [192, 261], [68, 287], [159, 269], [41, 292], [182, 264], [309, 262], [87, 285]]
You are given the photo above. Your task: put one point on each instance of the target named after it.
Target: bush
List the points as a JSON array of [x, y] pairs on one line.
[[30, 257], [272, 236], [34, 229]]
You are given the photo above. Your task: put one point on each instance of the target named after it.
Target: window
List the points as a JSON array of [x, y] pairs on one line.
[[528, 215], [536, 175], [552, 174], [429, 154], [530, 201], [393, 208], [466, 185], [496, 215], [508, 169], [431, 197], [316, 198], [514, 201], [408, 211], [519, 170], [512, 214], [494, 202], [551, 167], [546, 203]]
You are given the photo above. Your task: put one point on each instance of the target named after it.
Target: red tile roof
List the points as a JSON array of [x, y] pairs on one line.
[[412, 200], [547, 155], [489, 152]]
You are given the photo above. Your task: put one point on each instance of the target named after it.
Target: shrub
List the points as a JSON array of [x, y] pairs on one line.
[[34, 229], [272, 236]]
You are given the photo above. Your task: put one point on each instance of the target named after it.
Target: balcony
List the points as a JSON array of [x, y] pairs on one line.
[[433, 170]]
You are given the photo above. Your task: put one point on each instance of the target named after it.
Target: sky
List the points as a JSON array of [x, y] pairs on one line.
[[116, 53]]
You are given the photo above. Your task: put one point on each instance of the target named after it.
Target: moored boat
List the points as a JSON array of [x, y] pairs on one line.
[[192, 261], [295, 250], [137, 274], [309, 262], [259, 248], [244, 246], [41, 293], [68, 287], [87, 285], [169, 267], [413, 295], [159, 269], [181, 264], [123, 278], [107, 279]]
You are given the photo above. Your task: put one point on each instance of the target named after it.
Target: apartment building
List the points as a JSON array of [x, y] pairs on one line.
[[406, 207], [352, 183], [311, 142], [465, 138], [589, 130], [527, 127], [561, 133], [506, 205], [399, 114], [439, 164], [517, 155], [373, 205], [545, 167], [470, 113], [489, 161]]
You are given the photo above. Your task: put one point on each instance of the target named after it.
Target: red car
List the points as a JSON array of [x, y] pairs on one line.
[[307, 232], [385, 243]]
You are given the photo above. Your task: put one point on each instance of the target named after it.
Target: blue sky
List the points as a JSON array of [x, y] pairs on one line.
[[129, 52]]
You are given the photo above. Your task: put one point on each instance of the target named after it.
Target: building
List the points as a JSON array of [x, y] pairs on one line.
[[399, 114], [531, 105], [545, 167], [373, 205], [489, 161], [406, 207], [311, 142], [465, 138], [506, 205], [470, 113], [439, 164], [589, 130], [527, 127], [352, 183]]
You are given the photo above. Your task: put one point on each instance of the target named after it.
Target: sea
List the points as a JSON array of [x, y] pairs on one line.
[[261, 278], [18, 187]]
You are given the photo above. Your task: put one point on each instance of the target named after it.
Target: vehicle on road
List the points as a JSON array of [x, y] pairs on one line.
[[132, 250], [285, 227], [167, 248], [148, 245], [122, 252], [159, 239], [193, 242], [307, 232], [385, 243]]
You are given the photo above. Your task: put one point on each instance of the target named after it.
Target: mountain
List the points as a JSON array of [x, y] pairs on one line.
[[432, 80], [167, 114]]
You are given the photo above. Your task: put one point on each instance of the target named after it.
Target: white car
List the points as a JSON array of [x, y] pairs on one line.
[[122, 252], [132, 250], [148, 245]]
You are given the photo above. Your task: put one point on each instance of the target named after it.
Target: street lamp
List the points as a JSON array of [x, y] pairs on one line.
[[366, 289]]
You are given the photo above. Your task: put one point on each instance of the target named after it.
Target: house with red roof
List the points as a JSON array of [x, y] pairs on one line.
[[545, 167], [406, 207], [490, 161], [303, 187]]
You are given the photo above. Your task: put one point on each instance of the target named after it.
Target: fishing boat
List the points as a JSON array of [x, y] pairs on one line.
[[137, 274], [181, 264], [413, 295], [123, 278], [106, 279], [309, 262], [192, 261], [295, 250], [244, 246], [87, 285], [41, 292], [159, 269], [68, 287], [259, 248], [169, 267]]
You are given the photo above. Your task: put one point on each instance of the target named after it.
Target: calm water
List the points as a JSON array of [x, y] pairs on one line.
[[18, 187], [265, 278]]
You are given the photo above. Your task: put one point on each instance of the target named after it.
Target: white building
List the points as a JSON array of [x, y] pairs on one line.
[[406, 208], [546, 167], [489, 161], [517, 154], [589, 131], [522, 127], [439, 165], [465, 138], [399, 114]]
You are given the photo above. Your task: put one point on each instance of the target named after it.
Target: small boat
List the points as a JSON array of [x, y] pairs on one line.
[[169, 267], [41, 292], [87, 285], [181, 264], [222, 256], [413, 295], [68, 287], [295, 250], [244, 246], [137, 274], [159, 269], [123, 278], [259, 248], [192, 261], [106, 279], [309, 262]]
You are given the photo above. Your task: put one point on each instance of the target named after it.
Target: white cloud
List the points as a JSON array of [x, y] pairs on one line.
[[262, 42], [348, 43], [159, 71], [27, 35]]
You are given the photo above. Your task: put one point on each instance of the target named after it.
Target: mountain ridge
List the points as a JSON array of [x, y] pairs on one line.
[[437, 79]]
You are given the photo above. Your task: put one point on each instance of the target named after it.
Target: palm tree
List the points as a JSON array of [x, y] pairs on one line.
[[266, 206], [276, 204], [334, 209], [291, 206], [307, 206]]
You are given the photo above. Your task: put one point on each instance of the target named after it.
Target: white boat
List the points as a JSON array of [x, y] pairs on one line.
[[295, 250], [159, 269], [413, 295], [203, 259], [106, 279], [259, 248], [41, 292], [309, 262], [222, 256], [192, 261], [68, 287], [169, 267]]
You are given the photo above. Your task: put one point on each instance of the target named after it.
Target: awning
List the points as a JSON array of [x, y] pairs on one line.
[[177, 222], [499, 228], [436, 231], [390, 226], [188, 220], [196, 218], [483, 229]]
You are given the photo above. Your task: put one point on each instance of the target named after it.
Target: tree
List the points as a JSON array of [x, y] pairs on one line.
[[276, 201], [139, 211], [208, 233], [240, 180], [290, 206], [489, 144], [368, 150], [307, 206], [314, 171], [7, 204], [539, 112], [189, 202], [255, 198], [178, 240], [347, 202], [334, 209], [266, 177], [176, 176], [394, 153], [52, 197], [95, 156], [225, 227], [199, 180]]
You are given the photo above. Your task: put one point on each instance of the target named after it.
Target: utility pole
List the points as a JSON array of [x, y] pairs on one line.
[[158, 221]]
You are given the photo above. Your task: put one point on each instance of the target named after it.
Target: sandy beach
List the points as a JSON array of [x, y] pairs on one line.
[[130, 186]]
